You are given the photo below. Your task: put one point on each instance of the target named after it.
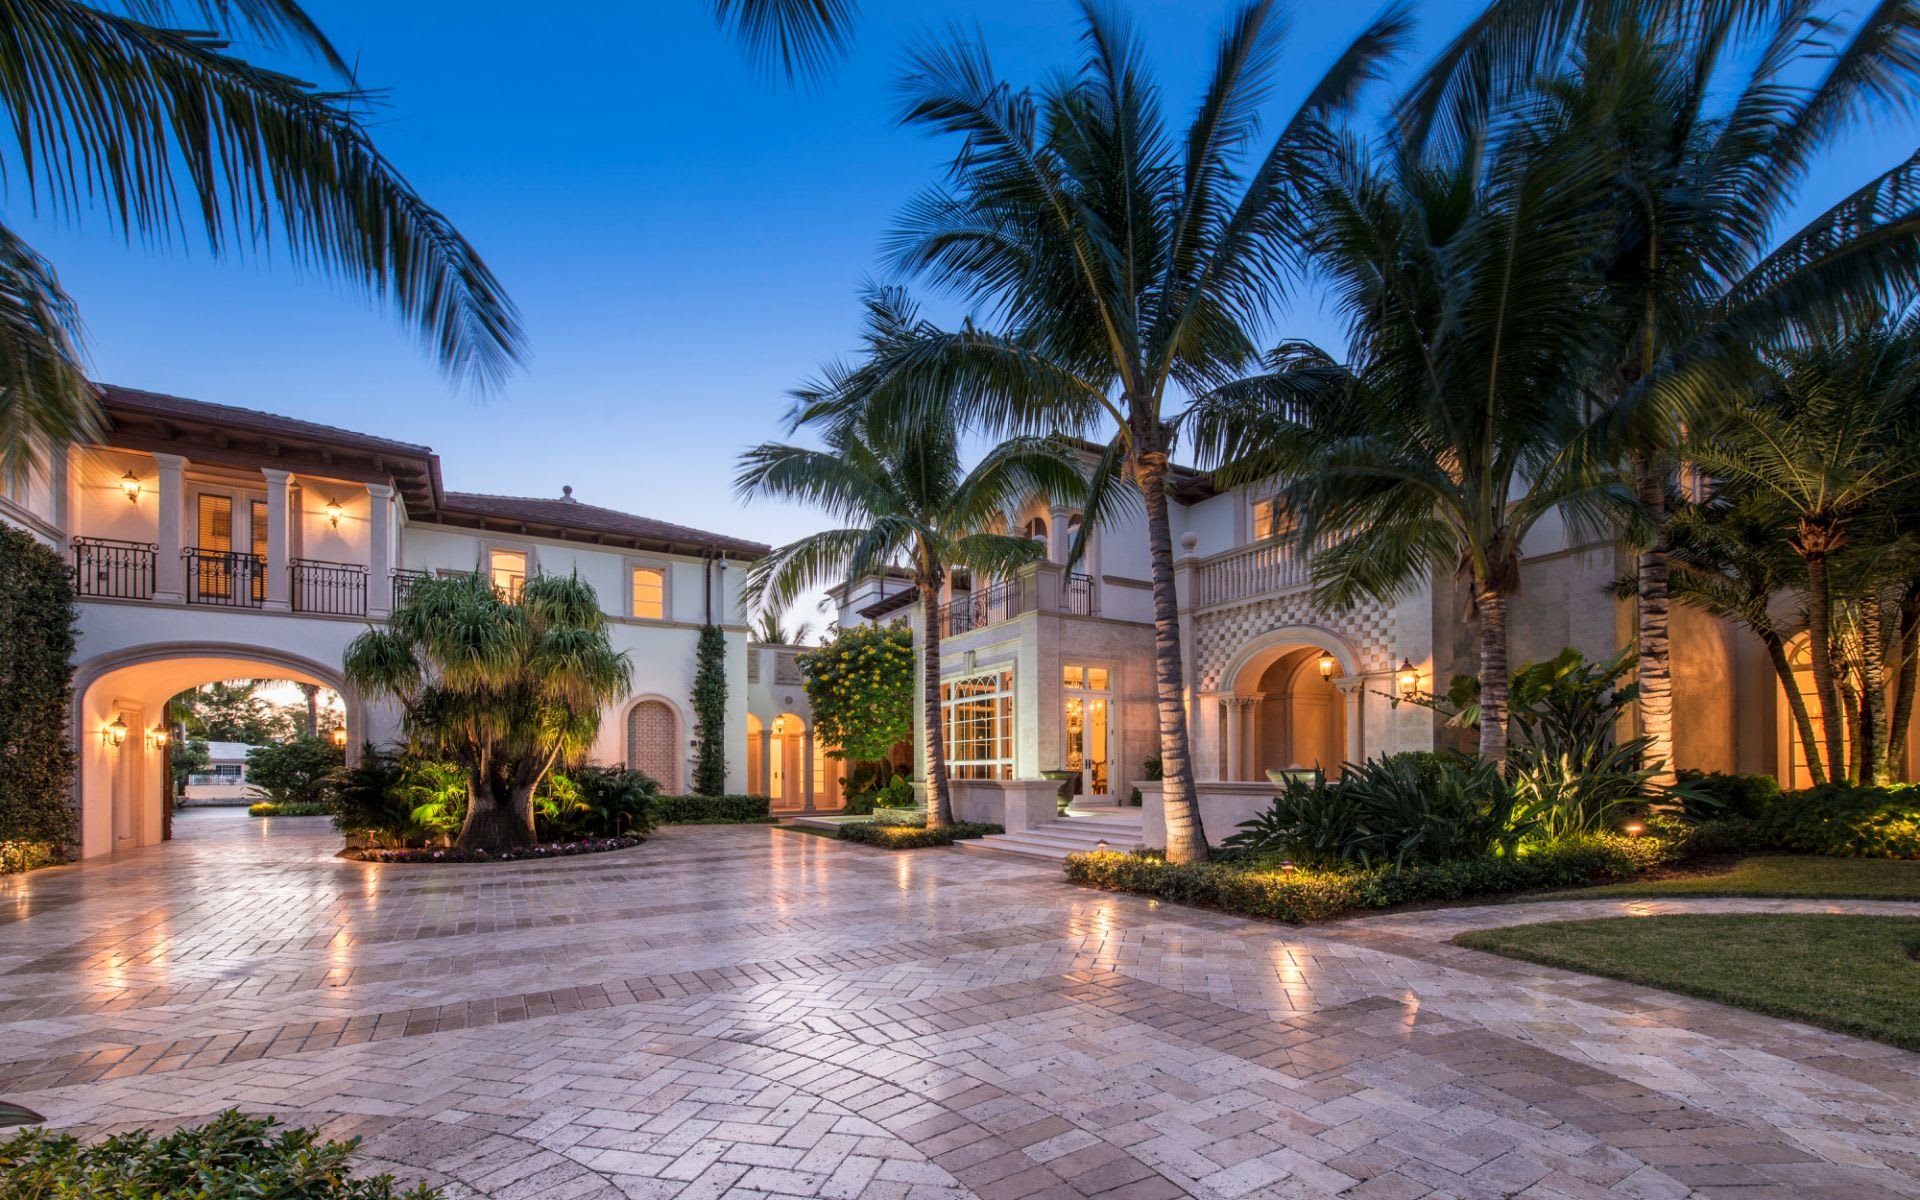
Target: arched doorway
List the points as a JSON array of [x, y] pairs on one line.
[[1289, 706], [121, 742], [654, 741]]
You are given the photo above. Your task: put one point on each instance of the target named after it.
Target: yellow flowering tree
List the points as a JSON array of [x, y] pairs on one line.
[[860, 686]]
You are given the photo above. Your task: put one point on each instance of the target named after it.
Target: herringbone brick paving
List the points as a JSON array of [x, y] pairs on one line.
[[753, 1012]]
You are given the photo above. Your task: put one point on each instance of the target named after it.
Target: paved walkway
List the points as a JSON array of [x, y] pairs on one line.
[[745, 1011]]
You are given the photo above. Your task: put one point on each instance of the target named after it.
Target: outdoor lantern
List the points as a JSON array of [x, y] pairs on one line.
[[1286, 868], [340, 736], [1102, 848], [115, 733], [1409, 680], [1326, 665], [1635, 830], [130, 484], [157, 737], [333, 513]]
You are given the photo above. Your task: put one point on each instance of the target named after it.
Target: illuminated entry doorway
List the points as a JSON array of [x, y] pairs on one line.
[[1088, 729]]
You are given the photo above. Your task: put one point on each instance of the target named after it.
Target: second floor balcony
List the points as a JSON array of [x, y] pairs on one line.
[[1043, 588], [119, 569]]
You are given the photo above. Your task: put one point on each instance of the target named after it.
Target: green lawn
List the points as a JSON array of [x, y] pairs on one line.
[[1783, 876], [1849, 973]]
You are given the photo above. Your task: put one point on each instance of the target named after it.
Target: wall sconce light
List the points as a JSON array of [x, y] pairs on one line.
[[157, 737], [115, 733], [334, 512], [339, 736], [130, 484], [1327, 665], [779, 724], [1409, 680]]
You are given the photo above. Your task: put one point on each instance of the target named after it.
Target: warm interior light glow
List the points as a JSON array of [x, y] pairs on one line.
[[130, 484], [115, 733], [1409, 678], [333, 513], [340, 736], [1326, 665]]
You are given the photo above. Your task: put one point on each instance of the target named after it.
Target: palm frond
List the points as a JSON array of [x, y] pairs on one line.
[[45, 398], [799, 38]]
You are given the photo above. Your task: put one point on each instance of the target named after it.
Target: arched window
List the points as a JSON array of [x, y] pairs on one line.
[[653, 742]]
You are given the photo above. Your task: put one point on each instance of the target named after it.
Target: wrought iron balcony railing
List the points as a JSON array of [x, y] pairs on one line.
[[225, 578], [328, 588], [113, 568]]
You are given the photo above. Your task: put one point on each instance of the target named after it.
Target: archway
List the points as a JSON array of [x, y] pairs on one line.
[[654, 740], [120, 753], [1290, 703]]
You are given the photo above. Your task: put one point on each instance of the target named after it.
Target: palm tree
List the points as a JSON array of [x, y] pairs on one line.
[[1830, 439], [801, 37], [1474, 319], [509, 690], [1124, 265], [1708, 118], [771, 629], [903, 498], [139, 114]]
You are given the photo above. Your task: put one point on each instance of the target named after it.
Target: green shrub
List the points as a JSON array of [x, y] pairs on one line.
[[1710, 795], [710, 712], [297, 771], [271, 808], [1394, 811], [1699, 839], [36, 701], [909, 837], [728, 810], [594, 802], [230, 1156], [1261, 890], [1855, 822], [900, 816]]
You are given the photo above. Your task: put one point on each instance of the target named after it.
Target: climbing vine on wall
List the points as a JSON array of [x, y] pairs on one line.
[[36, 695], [710, 713], [860, 687]]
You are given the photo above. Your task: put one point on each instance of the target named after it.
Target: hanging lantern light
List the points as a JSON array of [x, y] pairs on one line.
[[340, 737], [1409, 679], [1327, 664], [157, 737], [130, 484], [334, 512], [114, 734]]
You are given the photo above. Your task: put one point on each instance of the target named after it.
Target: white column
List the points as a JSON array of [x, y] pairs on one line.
[[379, 550], [1230, 769], [1355, 690], [766, 762], [1059, 542], [808, 768], [1255, 740], [169, 572], [279, 586]]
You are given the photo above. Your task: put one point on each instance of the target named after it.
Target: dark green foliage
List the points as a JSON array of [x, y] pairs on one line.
[[1394, 812], [682, 810], [229, 1156], [272, 808], [186, 757], [860, 686], [1857, 822], [1710, 795], [913, 837], [1152, 769], [1571, 774], [873, 784], [298, 771], [36, 699], [1254, 890], [1704, 839], [538, 850], [371, 798], [595, 802], [232, 711], [710, 713]]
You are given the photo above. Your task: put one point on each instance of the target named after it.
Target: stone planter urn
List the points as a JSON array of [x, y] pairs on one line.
[[1065, 780], [1279, 776]]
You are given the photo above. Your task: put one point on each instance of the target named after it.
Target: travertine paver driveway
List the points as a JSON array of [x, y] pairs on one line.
[[739, 1011]]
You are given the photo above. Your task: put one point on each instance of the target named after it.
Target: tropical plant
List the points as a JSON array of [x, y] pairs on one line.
[[369, 800], [296, 771], [508, 689], [770, 628], [1705, 119], [139, 113], [37, 643], [1570, 773], [1458, 426], [905, 499], [1124, 264], [710, 712], [860, 691], [595, 802]]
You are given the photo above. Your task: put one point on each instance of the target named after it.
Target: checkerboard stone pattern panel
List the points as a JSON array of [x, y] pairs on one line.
[[755, 1012], [1220, 633]]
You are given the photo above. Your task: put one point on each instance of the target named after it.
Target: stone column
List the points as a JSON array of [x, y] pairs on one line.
[[1255, 739], [807, 768], [1059, 540], [379, 550], [169, 571], [766, 762], [279, 584], [1354, 689], [1230, 769]]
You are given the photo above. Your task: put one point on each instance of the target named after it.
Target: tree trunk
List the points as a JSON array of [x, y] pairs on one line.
[[1796, 705], [499, 817], [1906, 673], [1655, 672], [312, 693], [1873, 689], [1820, 651], [939, 796], [1491, 607], [1186, 837], [1850, 705]]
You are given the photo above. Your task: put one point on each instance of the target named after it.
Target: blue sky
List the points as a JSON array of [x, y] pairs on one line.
[[683, 237]]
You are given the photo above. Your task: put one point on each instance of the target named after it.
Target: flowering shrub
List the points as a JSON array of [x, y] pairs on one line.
[[908, 837], [860, 687], [268, 808], [450, 854], [1267, 890]]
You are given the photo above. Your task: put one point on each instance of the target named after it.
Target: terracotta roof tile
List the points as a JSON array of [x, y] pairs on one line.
[[591, 518]]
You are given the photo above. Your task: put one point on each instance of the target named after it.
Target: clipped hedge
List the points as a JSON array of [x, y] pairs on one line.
[[1852, 822], [911, 837], [1301, 896], [36, 697], [713, 810], [229, 1156], [453, 854], [292, 808]]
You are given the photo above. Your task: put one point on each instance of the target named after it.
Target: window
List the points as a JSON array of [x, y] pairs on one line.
[[650, 593], [1091, 679], [979, 726], [509, 571], [1272, 519]]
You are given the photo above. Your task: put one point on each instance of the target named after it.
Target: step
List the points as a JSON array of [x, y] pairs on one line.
[[1057, 839]]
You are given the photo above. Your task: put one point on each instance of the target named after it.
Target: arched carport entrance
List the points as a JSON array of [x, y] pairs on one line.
[[1290, 702], [119, 779]]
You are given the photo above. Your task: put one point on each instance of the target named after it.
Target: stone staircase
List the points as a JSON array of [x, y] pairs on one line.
[[1079, 832]]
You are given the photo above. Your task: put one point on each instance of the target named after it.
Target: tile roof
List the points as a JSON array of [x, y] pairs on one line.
[[570, 514], [158, 404]]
